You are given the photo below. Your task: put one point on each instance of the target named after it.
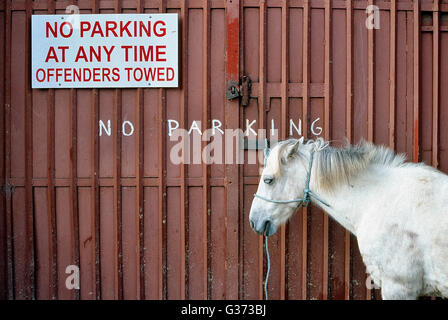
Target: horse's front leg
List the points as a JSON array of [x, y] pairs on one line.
[[393, 257]]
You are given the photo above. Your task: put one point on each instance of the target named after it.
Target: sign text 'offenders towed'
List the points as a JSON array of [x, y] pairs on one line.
[[104, 50]]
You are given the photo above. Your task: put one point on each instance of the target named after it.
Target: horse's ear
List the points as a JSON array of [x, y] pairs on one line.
[[292, 151]]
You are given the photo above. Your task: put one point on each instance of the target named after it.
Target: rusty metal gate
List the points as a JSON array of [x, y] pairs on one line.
[[141, 227]]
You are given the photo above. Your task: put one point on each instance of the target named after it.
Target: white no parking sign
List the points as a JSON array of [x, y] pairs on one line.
[[105, 51]]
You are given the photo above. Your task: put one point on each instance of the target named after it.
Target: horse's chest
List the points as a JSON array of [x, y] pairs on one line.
[[390, 252]]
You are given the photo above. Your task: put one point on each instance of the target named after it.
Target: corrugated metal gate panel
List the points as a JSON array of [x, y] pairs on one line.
[[140, 226]]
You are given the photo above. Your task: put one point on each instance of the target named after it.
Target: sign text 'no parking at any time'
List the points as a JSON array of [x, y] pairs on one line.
[[105, 51]]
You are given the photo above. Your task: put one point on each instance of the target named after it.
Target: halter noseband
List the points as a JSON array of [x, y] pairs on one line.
[[307, 193]]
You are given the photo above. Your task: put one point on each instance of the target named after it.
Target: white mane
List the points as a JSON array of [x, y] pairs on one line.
[[336, 166]]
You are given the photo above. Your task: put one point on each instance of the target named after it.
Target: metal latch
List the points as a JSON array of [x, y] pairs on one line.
[[242, 89], [7, 189]]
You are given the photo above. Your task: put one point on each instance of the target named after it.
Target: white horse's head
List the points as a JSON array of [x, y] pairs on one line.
[[283, 178]]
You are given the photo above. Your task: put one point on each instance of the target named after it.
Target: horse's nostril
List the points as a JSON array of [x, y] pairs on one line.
[[266, 226], [252, 225]]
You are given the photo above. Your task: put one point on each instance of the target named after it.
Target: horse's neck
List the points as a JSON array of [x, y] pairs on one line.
[[347, 200]]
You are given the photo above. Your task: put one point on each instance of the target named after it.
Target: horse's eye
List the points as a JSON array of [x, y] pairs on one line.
[[268, 180]]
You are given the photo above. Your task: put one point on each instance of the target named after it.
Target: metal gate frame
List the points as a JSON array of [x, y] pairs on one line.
[[130, 221]]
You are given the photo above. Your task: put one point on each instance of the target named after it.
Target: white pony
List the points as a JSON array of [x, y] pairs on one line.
[[398, 211]]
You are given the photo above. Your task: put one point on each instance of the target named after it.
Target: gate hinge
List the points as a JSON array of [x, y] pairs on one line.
[[241, 89]]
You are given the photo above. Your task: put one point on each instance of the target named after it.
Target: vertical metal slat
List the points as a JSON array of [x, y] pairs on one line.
[[117, 205], [183, 167], [73, 174], [349, 131], [370, 96], [95, 196], [370, 81], [416, 81], [435, 85], [232, 170], [51, 201], [327, 103], [392, 73], [263, 105], [205, 124], [162, 190], [9, 220], [139, 153], [305, 111], [283, 117], [3, 175]]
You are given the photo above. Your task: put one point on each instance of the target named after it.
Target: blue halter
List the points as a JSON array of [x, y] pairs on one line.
[[307, 193]]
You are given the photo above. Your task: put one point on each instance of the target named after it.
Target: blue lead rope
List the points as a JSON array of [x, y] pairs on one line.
[[269, 269]]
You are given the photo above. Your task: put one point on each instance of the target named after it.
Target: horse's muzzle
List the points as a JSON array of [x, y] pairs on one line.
[[263, 226]]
